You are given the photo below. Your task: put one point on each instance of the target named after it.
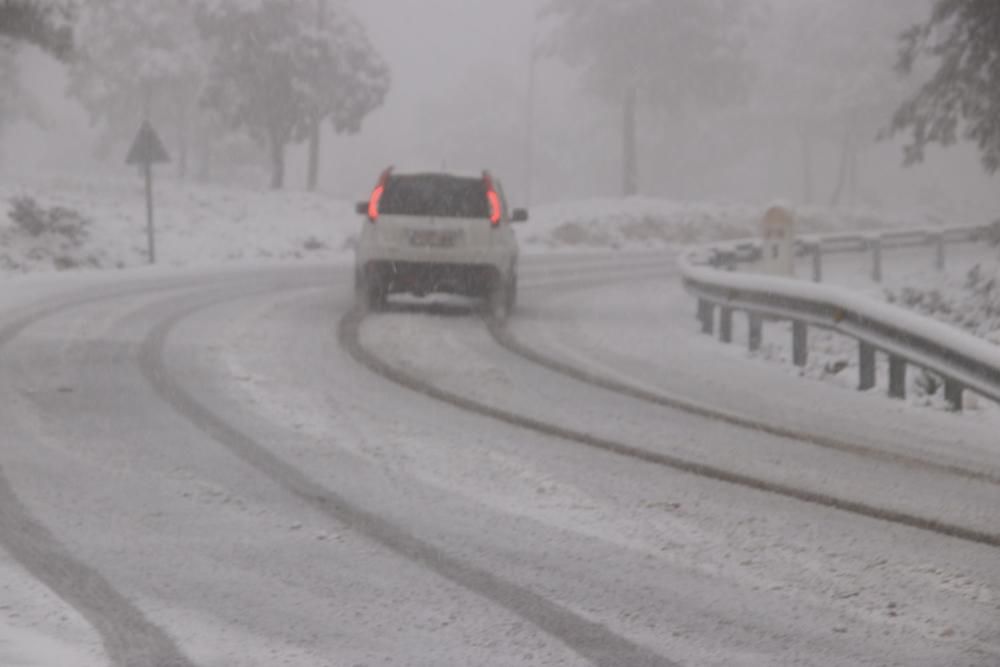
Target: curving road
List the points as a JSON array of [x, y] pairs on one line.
[[232, 468]]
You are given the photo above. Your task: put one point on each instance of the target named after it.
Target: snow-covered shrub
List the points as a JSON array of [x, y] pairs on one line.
[[929, 301], [34, 220], [972, 303], [313, 244], [42, 237]]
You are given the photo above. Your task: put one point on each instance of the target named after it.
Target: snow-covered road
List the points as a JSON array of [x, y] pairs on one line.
[[200, 471]]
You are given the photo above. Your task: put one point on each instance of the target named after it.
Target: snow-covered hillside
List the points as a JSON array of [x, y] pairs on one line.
[[640, 223], [199, 224], [195, 225]]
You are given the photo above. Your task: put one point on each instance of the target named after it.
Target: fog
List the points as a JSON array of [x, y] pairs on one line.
[[459, 98], [697, 373]]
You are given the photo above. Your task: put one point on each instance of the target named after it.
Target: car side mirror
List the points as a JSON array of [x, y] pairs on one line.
[[519, 215], [361, 208]]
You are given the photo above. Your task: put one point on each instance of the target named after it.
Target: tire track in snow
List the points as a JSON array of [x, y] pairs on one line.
[[349, 334], [128, 637], [589, 639], [508, 341]]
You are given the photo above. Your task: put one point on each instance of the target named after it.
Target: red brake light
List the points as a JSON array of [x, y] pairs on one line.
[[377, 193], [373, 202], [496, 211]]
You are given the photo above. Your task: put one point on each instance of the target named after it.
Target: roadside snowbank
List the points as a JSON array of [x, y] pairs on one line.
[[195, 225], [642, 223], [200, 224]]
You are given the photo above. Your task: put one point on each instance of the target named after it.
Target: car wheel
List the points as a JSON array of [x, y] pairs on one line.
[[498, 300], [376, 296], [369, 291], [511, 293]]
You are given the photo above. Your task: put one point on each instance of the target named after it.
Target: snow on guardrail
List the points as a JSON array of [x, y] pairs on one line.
[[965, 361]]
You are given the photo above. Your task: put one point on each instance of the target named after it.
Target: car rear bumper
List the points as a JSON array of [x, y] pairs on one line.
[[498, 257], [420, 278]]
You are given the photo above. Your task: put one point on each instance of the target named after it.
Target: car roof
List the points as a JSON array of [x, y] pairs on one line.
[[438, 172]]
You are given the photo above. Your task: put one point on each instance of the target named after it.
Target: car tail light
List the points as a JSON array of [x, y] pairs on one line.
[[496, 211], [377, 193]]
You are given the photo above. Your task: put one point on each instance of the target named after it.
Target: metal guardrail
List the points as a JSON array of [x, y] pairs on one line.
[[964, 361], [938, 238]]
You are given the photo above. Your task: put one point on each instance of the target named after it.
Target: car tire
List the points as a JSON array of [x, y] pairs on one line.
[[498, 301], [511, 294], [369, 291], [376, 296]]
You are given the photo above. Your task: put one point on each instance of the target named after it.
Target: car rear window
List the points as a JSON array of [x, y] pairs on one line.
[[435, 195]]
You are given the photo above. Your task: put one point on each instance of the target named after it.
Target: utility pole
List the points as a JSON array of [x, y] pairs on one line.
[[630, 160], [529, 131]]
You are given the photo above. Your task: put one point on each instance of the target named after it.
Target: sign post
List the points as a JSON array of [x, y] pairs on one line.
[[147, 150]]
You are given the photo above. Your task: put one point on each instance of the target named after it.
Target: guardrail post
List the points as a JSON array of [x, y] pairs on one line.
[[800, 343], [817, 253], [953, 394], [706, 314], [876, 245], [897, 377], [726, 324], [939, 252], [756, 328], [729, 261], [866, 366]]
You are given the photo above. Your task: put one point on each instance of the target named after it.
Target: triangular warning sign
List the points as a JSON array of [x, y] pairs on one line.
[[147, 147]]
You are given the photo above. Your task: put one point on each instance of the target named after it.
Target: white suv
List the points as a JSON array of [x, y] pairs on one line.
[[436, 232]]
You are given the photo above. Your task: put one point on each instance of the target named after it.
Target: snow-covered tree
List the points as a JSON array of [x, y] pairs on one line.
[[44, 23], [10, 83], [282, 67], [347, 78], [673, 55], [140, 58], [962, 96]]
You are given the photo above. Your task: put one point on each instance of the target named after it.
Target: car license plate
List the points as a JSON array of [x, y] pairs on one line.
[[435, 238]]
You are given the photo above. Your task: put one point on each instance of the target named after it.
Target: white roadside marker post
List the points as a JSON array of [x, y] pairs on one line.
[[777, 229]]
